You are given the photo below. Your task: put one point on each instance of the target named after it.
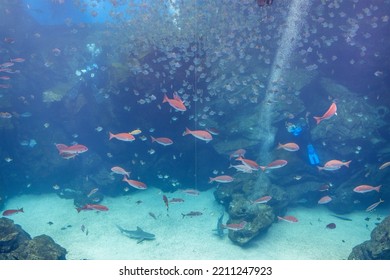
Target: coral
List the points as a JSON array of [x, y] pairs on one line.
[[378, 248]]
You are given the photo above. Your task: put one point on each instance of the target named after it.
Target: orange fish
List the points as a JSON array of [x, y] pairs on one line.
[[200, 134], [262, 200], [123, 136], [328, 114], [222, 179], [12, 211], [238, 153], [366, 188], [274, 165], [176, 102], [135, 184], [325, 199], [334, 165], [249, 163], [290, 219], [291, 147], [71, 150]]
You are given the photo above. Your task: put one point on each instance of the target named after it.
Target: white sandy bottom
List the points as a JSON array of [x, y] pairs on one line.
[[184, 238]]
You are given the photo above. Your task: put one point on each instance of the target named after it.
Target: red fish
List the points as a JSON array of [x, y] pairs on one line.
[[135, 184], [119, 170], [366, 188], [98, 207], [12, 211], [291, 147], [328, 114], [162, 141], [274, 165], [122, 136], [238, 153], [325, 199], [290, 219], [334, 165], [75, 149], [250, 163], [166, 201], [200, 134], [176, 102], [222, 179], [262, 200], [236, 227]]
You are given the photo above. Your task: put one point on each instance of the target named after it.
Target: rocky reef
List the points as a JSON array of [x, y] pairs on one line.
[[16, 244], [378, 248]]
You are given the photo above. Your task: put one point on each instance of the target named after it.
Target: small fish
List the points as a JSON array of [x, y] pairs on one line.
[[291, 147], [325, 199], [200, 134], [175, 102], [83, 228], [135, 132], [274, 165], [12, 212], [92, 207], [262, 200], [323, 188], [119, 170], [366, 188], [127, 137], [176, 200], [162, 141], [341, 217], [328, 114], [383, 166], [373, 206], [152, 215], [191, 192], [92, 192], [99, 129], [290, 219], [238, 153], [165, 199], [222, 179], [236, 227], [192, 214], [135, 184]]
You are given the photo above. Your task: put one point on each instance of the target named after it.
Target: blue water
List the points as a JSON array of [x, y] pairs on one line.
[[108, 65]]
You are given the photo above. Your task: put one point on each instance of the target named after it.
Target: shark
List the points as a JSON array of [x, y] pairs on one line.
[[137, 234]]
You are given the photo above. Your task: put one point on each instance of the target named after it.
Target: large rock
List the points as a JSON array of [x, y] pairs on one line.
[[16, 244], [378, 248]]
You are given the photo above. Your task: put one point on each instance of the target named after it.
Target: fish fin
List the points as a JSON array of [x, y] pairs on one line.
[[139, 241], [318, 119], [165, 98]]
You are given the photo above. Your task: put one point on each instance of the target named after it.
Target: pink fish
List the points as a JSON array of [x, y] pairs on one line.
[[325, 199], [242, 168], [191, 192], [122, 136], [236, 227], [135, 184], [334, 165], [366, 188], [222, 179], [92, 207], [291, 147], [290, 219], [119, 170], [175, 102], [274, 165], [262, 200], [18, 59], [71, 150], [250, 163], [162, 141], [238, 153], [328, 114], [12, 211], [200, 134]]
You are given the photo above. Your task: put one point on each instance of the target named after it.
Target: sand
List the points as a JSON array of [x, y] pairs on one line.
[[185, 238]]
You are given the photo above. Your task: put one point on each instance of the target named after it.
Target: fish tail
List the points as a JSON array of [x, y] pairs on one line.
[[21, 210], [378, 188], [111, 135], [263, 168], [183, 215], [279, 146], [165, 98], [318, 119], [153, 139], [211, 180], [186, 132], [347, 163], [78, 209]]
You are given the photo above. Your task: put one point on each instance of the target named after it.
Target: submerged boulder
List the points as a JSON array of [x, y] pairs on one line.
[[378, 248], [16, 244]]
